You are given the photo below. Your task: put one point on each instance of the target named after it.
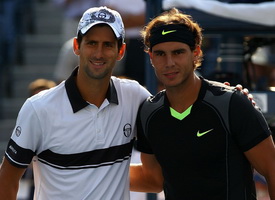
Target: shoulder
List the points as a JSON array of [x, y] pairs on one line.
[[156, 99], [216, 92], [129, 86], [152, 104], [125, 82], [223, 96], [48, 97], [218, 88]]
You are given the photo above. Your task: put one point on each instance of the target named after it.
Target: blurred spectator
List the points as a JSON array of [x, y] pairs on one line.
[[262, 68], [8, 33], [72, 12], [66, 62], [16, 19], [40, 84]]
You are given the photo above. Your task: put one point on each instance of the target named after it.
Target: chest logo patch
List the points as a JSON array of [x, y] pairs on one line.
[[199, 134], [127, 130]]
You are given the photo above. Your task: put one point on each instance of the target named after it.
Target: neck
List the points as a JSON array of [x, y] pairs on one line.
[[183, 96], [92, 90]]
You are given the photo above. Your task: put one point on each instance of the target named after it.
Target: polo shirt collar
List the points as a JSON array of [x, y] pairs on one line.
[[75, 98]]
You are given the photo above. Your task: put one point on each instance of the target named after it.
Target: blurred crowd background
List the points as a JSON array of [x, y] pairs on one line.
[[36, 44]]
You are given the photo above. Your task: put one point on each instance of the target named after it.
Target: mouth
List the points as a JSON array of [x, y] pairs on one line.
[[170, 75], [97, 64]]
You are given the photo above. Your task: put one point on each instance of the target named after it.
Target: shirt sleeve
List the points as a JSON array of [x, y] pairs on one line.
[[247, 123], [25, 137], [142, 143]]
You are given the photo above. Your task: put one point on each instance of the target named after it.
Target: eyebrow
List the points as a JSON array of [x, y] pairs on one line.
[[158, 51], [180, 49], [175, 50]]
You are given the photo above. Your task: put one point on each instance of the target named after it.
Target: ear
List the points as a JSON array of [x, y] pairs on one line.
[[76, 47], [150, 54], [121, 52], [197, 51]]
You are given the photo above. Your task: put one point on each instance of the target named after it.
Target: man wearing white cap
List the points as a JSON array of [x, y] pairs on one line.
[[80, 133]]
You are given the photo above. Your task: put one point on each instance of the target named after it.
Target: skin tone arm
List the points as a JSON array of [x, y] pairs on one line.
[[131, 20], [264, 163], [9, 180], [146, 177]]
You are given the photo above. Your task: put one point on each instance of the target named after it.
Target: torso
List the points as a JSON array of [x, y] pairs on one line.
[[199, 157], [81, 153]]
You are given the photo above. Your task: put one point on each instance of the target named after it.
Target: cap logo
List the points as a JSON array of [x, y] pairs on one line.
[[101, 15], [167, 32]]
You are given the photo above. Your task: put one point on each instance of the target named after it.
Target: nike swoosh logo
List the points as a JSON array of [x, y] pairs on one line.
[[203, 133], [166, 32]]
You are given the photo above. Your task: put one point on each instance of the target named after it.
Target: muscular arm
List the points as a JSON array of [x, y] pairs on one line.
[[9, 180], [262, 157], [146, 177]]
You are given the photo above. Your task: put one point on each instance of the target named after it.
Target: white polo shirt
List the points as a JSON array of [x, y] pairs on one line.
[[80, 151]]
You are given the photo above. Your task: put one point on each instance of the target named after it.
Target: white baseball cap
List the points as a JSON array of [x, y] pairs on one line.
[[102, 15]]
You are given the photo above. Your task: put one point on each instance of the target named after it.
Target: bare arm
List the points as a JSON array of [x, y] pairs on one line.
[[262, 157], [146, 177], [9, 180], [131, 20]]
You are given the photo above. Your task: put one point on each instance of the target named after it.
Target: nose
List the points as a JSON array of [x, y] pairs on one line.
[[169, 61], [98, 52]]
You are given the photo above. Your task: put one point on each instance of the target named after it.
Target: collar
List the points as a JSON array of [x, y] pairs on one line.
[[75, 98], [201, 94]]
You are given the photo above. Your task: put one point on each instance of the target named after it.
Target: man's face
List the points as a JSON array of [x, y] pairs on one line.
[[98, 52], [173, 62]]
